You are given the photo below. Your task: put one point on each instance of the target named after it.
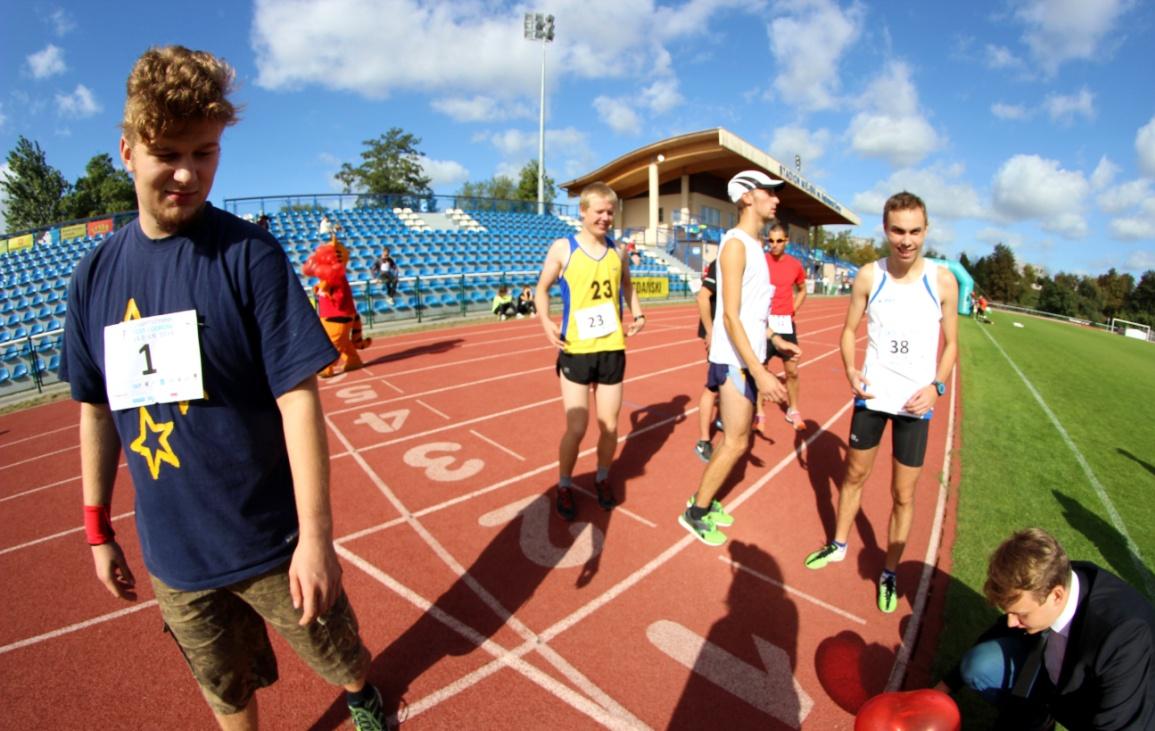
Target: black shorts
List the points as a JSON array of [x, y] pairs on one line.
[[908, 439], [607, 368], [771, 351]]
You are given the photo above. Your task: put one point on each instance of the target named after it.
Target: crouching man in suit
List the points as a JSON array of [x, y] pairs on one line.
[[1077, 645]]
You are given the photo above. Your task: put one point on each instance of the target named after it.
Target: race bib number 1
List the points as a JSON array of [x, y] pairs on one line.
[[153, 360], [597, 321], [782, 324]]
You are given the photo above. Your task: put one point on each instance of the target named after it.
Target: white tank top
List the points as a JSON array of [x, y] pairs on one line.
[[903, 325], [755, 302]]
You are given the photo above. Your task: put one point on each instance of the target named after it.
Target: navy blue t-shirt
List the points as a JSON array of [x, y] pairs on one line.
[[214, 493]]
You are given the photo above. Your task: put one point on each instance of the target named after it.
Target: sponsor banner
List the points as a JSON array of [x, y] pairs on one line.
[[77, 231], [20, 242], [3, 246], [651, 287], [99, 228]]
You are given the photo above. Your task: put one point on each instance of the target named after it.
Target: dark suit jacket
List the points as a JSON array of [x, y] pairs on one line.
[[1107, 680]]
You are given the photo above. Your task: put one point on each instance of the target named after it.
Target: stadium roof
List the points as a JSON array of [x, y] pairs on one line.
[[719, 153]]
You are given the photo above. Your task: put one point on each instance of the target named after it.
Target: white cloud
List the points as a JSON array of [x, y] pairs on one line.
[[993, 236], [568, 144], [48, 61], [792, 140], [1104, 173], [1065, 108], [3, 118], [1140, 226], [1145, 148], [79, 104], [1000, 57], [1124, 196], [808, 41], [480, 108], [1058, 31], [1141, 260], [1009, 111], [662, 95], [1031, 187], [942, 188], [339, 44], [444, 173], [62, 21], [892, 126], [617, 114]]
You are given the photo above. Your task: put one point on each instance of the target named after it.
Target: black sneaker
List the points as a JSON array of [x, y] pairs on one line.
[[605, 494], [704, 450], [370, 716], [566, 507]]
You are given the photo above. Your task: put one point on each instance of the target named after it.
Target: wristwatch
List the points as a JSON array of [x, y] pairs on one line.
[[940, 387]]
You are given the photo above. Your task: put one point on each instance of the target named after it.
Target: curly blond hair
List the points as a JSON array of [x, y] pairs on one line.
[[171, 85]]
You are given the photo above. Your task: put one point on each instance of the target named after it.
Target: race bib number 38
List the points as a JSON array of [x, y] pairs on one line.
[[153, 360], [597, 321]]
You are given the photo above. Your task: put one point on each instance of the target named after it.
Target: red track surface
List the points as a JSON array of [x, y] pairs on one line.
[[482, 609]]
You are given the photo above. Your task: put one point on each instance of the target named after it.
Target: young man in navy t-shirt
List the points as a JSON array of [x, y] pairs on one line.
[[190, 342]]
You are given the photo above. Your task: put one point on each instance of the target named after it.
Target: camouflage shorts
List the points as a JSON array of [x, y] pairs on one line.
[[221, 633]]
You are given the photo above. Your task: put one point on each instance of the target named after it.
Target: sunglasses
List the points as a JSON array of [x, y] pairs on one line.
[[779, 241]]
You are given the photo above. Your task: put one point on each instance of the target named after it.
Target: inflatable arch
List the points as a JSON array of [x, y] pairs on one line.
[[966, 284]]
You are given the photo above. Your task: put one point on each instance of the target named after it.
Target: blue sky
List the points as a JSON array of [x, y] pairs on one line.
[[1028, 122]]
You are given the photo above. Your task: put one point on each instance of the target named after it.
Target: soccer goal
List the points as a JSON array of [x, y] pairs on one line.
[[1136, 330]]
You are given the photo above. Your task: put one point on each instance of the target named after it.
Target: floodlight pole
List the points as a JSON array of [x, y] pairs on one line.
[[540, 27]]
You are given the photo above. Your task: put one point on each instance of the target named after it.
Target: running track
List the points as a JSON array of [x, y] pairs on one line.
[[483, 610]]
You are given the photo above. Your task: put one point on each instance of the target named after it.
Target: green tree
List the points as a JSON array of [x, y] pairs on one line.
[[1090, 299], [1058, 295], [1032, 280], [1116, 289], [527, 184], [102, 189], [390, 165], [500, 187], [1142, 299], [35, 190], [998, 276]]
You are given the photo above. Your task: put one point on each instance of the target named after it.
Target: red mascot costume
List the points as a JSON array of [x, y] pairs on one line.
[[336, 305]]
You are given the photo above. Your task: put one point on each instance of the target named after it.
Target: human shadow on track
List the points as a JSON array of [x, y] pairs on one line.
[[652, 426], [479, 604], [441, 346], [743, 676], [825, 464], [1109, 542]]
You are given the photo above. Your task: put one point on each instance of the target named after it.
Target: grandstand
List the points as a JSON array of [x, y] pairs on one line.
[[452, 260]]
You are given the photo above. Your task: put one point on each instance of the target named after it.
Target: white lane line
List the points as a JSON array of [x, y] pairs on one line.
[[662, 559], [33, 490], [61, 534], [930, 559], [489, 441], [791, 590], [77, 627], [41, 435], [442, 414], [40, 456], [390, 385], [1100, 491]]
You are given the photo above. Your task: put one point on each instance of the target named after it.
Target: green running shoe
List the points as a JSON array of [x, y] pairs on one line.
[[830, 553], [888, 593], [717, 513], [703, 529]]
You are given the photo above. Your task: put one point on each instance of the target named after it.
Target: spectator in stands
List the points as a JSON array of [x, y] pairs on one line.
[[787, 293], [635, 258], [525, 303], [503, 305], [591, 339], [263, 221], [1077, 645], [387, 272], [232, 483], [324, 228]]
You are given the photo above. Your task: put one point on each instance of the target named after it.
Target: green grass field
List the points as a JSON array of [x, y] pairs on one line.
[[1018, 470]]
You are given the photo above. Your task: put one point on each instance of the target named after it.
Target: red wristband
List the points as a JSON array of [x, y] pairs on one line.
[[98, 524]]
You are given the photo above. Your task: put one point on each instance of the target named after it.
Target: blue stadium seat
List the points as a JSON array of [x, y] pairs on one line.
[[5, 376], [20, 372]]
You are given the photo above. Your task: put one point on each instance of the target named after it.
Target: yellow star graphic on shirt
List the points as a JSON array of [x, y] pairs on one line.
[[164, 453]]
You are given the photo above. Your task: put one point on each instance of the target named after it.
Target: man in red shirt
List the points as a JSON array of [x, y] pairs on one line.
[[788, 280]]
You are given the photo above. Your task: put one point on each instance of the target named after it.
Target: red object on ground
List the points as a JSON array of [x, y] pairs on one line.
[[912, 710]]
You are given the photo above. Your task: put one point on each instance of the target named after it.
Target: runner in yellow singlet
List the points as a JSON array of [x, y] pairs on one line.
[[595, 282]]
